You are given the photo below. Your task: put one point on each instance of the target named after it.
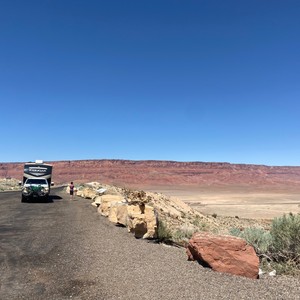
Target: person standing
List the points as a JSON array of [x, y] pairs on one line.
[[71, 187]]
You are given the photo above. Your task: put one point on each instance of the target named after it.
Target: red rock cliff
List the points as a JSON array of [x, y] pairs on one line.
[[147, 173]]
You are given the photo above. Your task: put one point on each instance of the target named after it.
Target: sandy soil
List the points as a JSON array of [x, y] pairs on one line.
[[244, 202]]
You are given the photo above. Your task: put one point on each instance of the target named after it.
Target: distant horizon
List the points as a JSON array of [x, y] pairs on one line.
[[147, 160]]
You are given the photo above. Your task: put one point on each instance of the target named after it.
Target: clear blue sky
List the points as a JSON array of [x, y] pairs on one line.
[[215, 81]]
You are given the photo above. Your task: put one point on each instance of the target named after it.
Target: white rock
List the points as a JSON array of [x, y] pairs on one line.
[[272, 273], [101, 191]]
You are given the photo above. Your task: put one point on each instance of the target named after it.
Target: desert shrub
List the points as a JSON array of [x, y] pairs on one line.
[[278, 249], [164, 234], [214, 215], [199, 223], [183, 234], [257, 237], [286, 268], [285, 233], [281, 268], [235, 232]]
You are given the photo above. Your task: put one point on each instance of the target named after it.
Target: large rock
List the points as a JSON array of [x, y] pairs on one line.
[[142, 221], [97, 200], [107, 201], [118, 213], [224, 254], [86, 193]]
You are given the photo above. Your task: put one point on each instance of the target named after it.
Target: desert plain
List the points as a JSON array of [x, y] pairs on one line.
[[237, 201]]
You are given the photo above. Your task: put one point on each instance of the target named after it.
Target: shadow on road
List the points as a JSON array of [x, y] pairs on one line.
[[51, 199], [55, 197]]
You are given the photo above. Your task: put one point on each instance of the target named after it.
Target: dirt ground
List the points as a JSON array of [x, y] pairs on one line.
[[244, 202]]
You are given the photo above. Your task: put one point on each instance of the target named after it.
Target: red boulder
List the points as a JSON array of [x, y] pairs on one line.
[[225, 254]]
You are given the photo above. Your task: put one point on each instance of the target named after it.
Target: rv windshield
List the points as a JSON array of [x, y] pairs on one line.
[[36, 181]]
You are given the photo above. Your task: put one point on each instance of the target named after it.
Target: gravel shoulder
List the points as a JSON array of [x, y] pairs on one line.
[[66, 250]]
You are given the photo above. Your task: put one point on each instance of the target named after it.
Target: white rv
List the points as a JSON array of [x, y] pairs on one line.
[[36, 181]]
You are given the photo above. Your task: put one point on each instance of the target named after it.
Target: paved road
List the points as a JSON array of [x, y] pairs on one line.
[[65, 250]]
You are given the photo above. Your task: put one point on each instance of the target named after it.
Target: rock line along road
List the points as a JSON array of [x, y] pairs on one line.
[[65, 250]]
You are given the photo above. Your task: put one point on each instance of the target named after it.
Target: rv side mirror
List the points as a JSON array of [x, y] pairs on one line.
[[20, 183], [52, 183]]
